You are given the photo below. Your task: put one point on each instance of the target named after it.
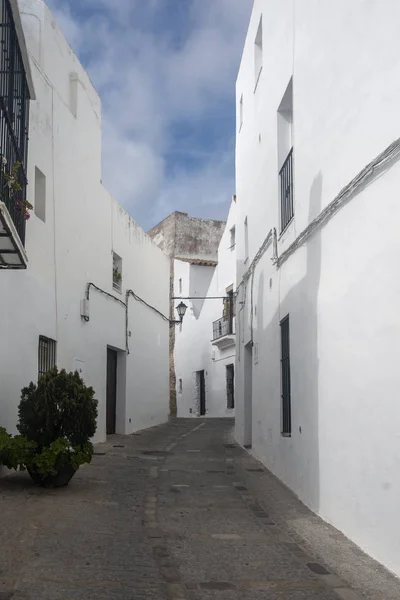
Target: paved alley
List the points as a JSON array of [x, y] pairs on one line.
[[175, 512]]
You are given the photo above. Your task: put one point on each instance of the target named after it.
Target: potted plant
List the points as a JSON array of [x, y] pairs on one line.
[[57, 418], [117, 278], [14, 187]]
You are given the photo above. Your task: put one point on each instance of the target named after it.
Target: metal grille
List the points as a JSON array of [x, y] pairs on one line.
[[286, 182], [222, 327], [47, 355], [14, 117], [285, 374]]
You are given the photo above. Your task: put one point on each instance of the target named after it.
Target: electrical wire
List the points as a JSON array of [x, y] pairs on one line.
[[365, 176], [92, 285], [139, 299], [125, 305]]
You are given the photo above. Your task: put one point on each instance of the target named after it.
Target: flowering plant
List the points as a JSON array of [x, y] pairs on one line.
[[14, 186]]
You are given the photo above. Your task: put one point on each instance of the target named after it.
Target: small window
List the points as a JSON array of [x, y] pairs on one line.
[[117, 272], [233, 238], [246, 240], [258, 53], [241, 112], [46, 355], [73, 93], [285, 378], [180, 386], [180, 286], [285, 156], [230, 386], [40, 195]]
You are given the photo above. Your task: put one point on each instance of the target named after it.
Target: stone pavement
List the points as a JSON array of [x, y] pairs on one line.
[[176, 512]]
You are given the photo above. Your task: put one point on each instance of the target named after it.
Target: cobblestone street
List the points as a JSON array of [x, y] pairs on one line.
[[176, 512]]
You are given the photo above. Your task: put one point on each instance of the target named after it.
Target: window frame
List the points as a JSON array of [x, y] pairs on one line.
[[230, 394], [49, 361], [286, 397], [116, 266], [232, 233], [246, 240], [258, 53]]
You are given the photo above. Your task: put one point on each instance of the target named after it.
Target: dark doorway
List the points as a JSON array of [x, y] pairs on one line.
[[202, 392], [285, 378], [248, 395], [230, 386], [112, 357]]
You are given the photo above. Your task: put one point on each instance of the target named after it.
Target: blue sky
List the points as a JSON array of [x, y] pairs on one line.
[[166, 72]]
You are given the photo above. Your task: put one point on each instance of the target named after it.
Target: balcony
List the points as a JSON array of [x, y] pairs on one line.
[[12, 237], [14, 122], [223, 333]]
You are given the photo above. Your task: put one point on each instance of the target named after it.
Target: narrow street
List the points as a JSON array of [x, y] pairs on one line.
[[175, 512]]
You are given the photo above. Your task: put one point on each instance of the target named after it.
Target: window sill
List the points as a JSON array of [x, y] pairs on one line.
[[286, 435], [117, 288], [257, 80]]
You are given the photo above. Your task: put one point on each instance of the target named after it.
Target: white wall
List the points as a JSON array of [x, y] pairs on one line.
[[339, 288], [193, 348], [73, 247]]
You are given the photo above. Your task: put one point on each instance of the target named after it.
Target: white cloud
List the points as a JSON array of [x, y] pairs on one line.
[[149, 83]]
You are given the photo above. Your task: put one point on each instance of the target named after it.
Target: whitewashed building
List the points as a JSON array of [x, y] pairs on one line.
[[318, 325], [204, 354], [85, 264], [202, 348]]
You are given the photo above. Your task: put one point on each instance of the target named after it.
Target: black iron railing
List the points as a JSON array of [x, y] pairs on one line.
[[14, 120], [222, 327], [285, 375], [286, 191]]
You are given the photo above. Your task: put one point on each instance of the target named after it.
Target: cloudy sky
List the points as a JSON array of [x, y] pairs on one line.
[[166, 72]]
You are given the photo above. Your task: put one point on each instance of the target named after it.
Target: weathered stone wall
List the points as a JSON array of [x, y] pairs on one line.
[[182, 236]]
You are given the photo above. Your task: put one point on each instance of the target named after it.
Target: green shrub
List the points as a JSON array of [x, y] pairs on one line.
[[59, 454], [15, 452], [59, 406], [57, 418]]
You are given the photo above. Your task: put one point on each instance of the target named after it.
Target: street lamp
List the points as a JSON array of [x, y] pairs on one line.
[[181, 310]]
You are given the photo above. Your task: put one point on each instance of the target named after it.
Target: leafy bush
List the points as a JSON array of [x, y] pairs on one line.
[[57, 418], [15, 452], [59, 454], [59, 406]]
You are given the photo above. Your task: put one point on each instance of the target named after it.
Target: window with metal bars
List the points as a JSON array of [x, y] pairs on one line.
[[230, 386], [286, 185], [47, 355], [285, 156], [285, 378], [14, 117]]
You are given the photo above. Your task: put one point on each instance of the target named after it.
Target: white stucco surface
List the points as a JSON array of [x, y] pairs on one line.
[[83, 226], [340, 288], [193, 348]]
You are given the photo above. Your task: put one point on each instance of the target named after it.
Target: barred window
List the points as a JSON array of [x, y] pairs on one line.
[[46, 355], [285, 378]]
